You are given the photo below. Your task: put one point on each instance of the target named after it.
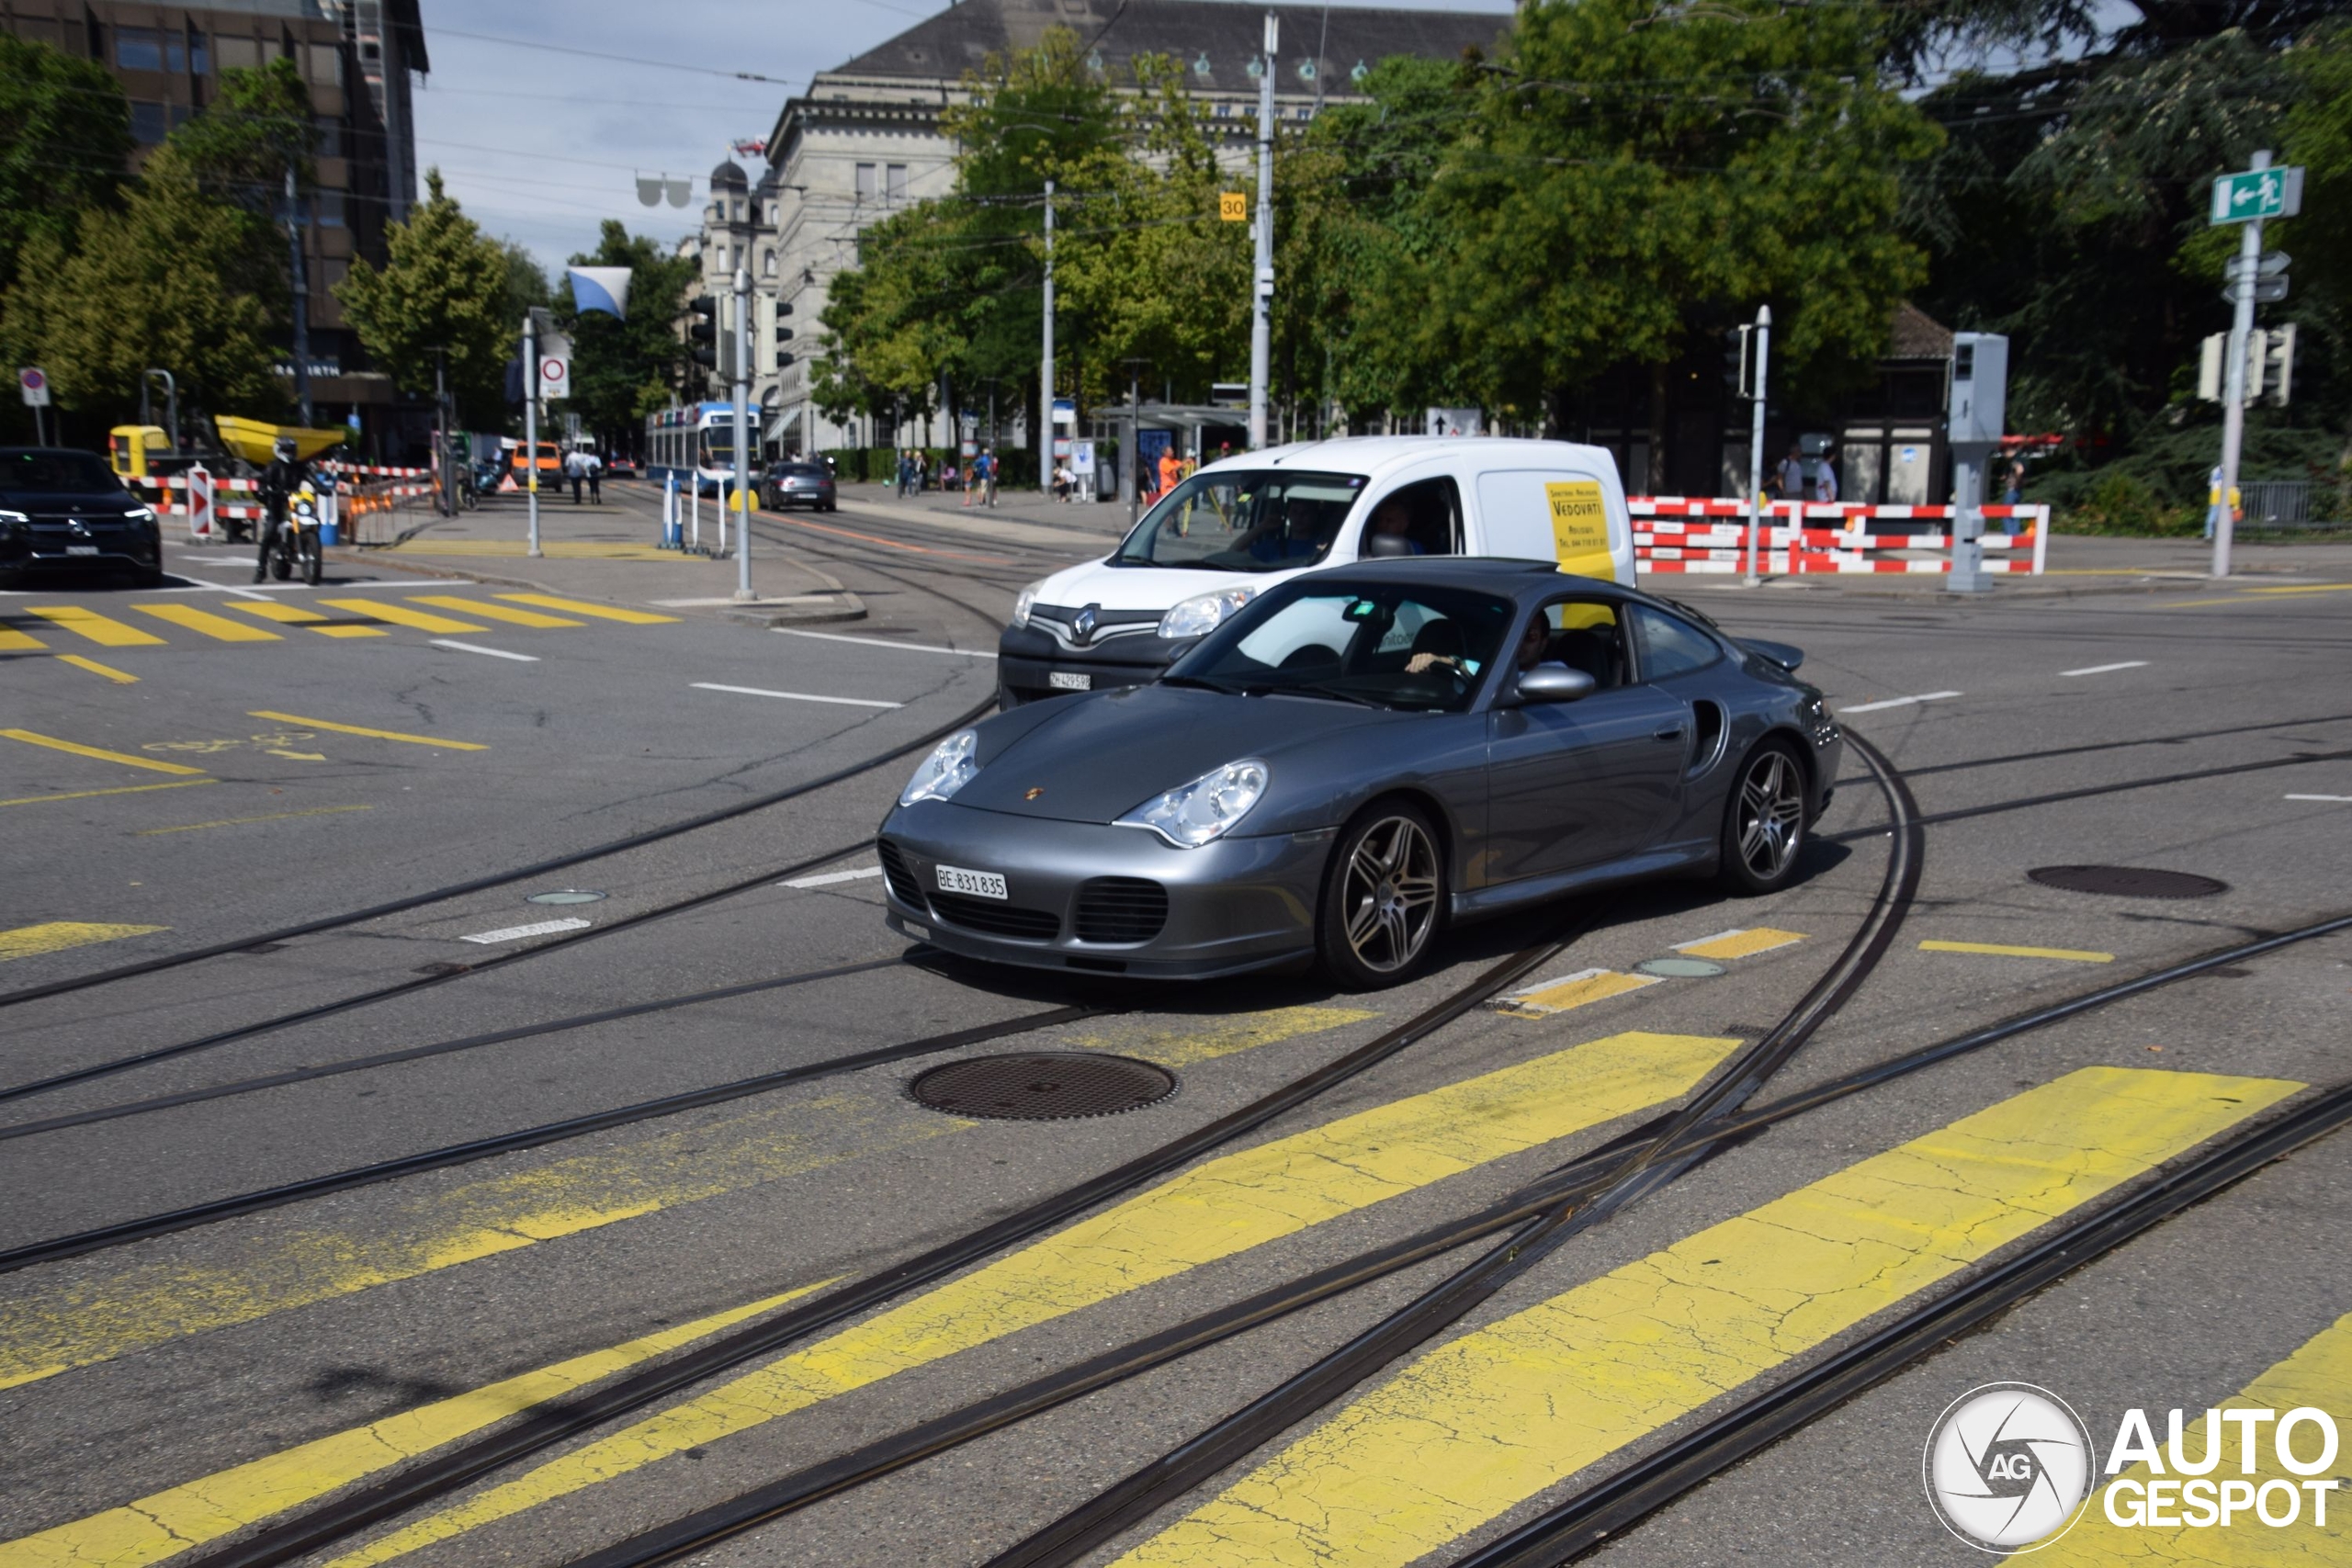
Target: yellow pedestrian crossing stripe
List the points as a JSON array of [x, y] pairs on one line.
[[506, 612], [170, 1521], [400, 615], [1216, 1210], [219, 628], [14, 641], [2317, 1376], [1480, 1425], [1579, 990], [1739, 943], [100, 629], [120, 677], [290, 615], [99, 752], [374, 733], [576, 607], [56, 936], [2000, 950]]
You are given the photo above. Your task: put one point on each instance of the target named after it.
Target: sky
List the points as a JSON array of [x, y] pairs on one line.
[[540, 131]]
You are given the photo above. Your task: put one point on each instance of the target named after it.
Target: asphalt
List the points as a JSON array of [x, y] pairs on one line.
[[2172, 718]]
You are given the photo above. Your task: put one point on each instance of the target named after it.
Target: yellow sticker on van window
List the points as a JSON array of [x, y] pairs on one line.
[[1579, 526]]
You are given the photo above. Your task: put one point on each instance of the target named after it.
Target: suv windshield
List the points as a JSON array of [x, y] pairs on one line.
[[1388, 646], [58, 473], [1245, 520]]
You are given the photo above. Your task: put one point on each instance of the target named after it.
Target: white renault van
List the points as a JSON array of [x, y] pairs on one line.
[[1241, 525]]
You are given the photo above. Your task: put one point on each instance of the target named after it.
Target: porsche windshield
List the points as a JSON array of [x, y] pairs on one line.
[[1244, 520], [1383, 646]]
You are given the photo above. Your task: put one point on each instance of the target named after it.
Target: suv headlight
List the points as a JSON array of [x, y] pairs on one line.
[[139, 514], [953, 763], [1202, 613], [1204, 809], [14, 523], [1021, 606]]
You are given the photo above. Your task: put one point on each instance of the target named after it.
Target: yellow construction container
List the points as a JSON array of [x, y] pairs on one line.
[[256, 443]]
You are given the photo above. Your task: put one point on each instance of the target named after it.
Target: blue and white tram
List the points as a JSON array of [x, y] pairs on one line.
[[696, 443]]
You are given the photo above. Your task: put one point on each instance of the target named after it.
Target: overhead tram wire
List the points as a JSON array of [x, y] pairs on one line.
[[553, 1423], [930, 1439]]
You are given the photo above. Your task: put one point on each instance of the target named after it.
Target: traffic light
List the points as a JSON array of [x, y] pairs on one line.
[[702, 331], [1739, 374]]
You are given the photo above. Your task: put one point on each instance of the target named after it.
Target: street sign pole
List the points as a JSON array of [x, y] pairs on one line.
[[1261, 282], [742, 432], [531, 421], [2249, 266], [1046, 370], [1756, 439]]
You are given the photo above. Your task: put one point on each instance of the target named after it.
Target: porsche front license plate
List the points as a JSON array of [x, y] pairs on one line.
[[979, 883], [1069, 681]]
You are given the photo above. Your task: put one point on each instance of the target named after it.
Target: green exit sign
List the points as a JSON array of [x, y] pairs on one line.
[[2257, 193]]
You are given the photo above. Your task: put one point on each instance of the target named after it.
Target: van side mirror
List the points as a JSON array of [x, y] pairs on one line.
[[1554, 683], [1387, 547]]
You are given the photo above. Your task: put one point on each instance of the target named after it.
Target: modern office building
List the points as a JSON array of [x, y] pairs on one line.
[[358, 58]]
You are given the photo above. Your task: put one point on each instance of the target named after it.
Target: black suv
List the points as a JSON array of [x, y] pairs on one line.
[[61, 508]]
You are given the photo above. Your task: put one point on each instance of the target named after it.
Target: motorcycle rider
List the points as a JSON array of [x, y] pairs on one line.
[[280, 481]]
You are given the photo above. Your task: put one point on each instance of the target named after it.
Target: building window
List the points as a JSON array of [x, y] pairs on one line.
[[767, 265], [138, 49], [237, 53], [331, 208], [327, 65], [199, 58], [327, 137], [147, 122], [898, 182], [865, 182]]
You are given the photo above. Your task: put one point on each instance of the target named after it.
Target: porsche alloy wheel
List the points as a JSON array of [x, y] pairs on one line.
[[1382, 900], [1764, 820]]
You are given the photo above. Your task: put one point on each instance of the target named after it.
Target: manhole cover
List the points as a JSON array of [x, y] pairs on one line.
[[2127, 881], [1042, 1085], [1680, 968], [563, 895]]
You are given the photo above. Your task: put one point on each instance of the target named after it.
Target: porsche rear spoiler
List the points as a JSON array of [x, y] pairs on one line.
[[1780, 653]]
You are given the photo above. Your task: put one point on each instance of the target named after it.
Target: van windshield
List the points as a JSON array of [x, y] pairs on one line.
[[1244, 520]]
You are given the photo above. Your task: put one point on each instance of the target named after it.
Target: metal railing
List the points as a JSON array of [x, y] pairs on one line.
[[2290, 503]]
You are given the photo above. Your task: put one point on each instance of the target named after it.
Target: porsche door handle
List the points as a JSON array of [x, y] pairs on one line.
[[1674, 734]]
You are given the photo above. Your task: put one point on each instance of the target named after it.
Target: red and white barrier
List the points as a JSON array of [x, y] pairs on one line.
[[1682, 533], [202, 498]]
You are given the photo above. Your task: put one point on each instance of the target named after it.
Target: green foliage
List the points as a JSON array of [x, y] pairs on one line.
[[2118, 501], [65, 133], [256, 128], [622, 370], [438, 302], [174, 278], [526, 284]]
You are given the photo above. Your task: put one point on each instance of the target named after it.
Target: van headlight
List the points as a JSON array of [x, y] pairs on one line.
[[1022, 606], [1202, 613], [1204, 809], [953, 763]]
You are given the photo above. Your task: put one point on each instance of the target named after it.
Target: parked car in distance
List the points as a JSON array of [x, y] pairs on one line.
[[1356, 759], [1241, 526], [798, 481]]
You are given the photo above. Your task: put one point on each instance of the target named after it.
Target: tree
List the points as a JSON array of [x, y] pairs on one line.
[[256, 129], [623, 370], [64, 136], [1628, 179], [526, 284], [174, 278], [439, 301]]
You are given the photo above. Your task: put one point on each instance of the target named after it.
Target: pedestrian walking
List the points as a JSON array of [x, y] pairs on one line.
[[595, 467], [1824, 479], [906, 472], [1172, 471], [576, 470], [1788, 480]]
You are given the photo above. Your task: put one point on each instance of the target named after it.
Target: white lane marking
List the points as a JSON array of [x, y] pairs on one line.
[[793, 697], [1900, 702], [2106, 668], [2341, 798], [223, 587], [884, 642], [830, 877], [516, 933], [477, 648]]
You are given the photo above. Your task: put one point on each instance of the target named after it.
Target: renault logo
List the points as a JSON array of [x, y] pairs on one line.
[[1083, 623]]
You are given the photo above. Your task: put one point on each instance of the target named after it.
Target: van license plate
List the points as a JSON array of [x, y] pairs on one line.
[[1069, 681], [978, 883]]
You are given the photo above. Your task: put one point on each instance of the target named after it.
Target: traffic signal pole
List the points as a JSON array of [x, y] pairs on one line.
[[2249, 268], [1262, 285], [531, 421]]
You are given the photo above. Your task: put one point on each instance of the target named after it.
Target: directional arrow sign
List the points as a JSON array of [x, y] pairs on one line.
[[2275, 262], [2267, 291], [2257, 193]]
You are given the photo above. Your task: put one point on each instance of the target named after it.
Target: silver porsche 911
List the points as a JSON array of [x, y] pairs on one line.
[[1356, 760]]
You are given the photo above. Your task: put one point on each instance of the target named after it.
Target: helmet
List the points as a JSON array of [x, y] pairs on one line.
[[285, 448]]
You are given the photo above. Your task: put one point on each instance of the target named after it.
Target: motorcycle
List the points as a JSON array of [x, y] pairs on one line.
[[298, 540]]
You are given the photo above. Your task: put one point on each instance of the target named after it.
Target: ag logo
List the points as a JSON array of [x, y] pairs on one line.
[[2009, 1466]]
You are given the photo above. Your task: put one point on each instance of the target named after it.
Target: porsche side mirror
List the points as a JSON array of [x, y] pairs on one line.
[[1387, 547], [1554, 683]]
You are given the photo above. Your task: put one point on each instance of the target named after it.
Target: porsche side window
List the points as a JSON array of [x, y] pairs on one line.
[[1671, 646], [1587, 635]]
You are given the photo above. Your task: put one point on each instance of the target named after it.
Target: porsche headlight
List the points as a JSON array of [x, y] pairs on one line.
[[1204, 809], [1021, 606], [1203, 613], [953, 763]]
